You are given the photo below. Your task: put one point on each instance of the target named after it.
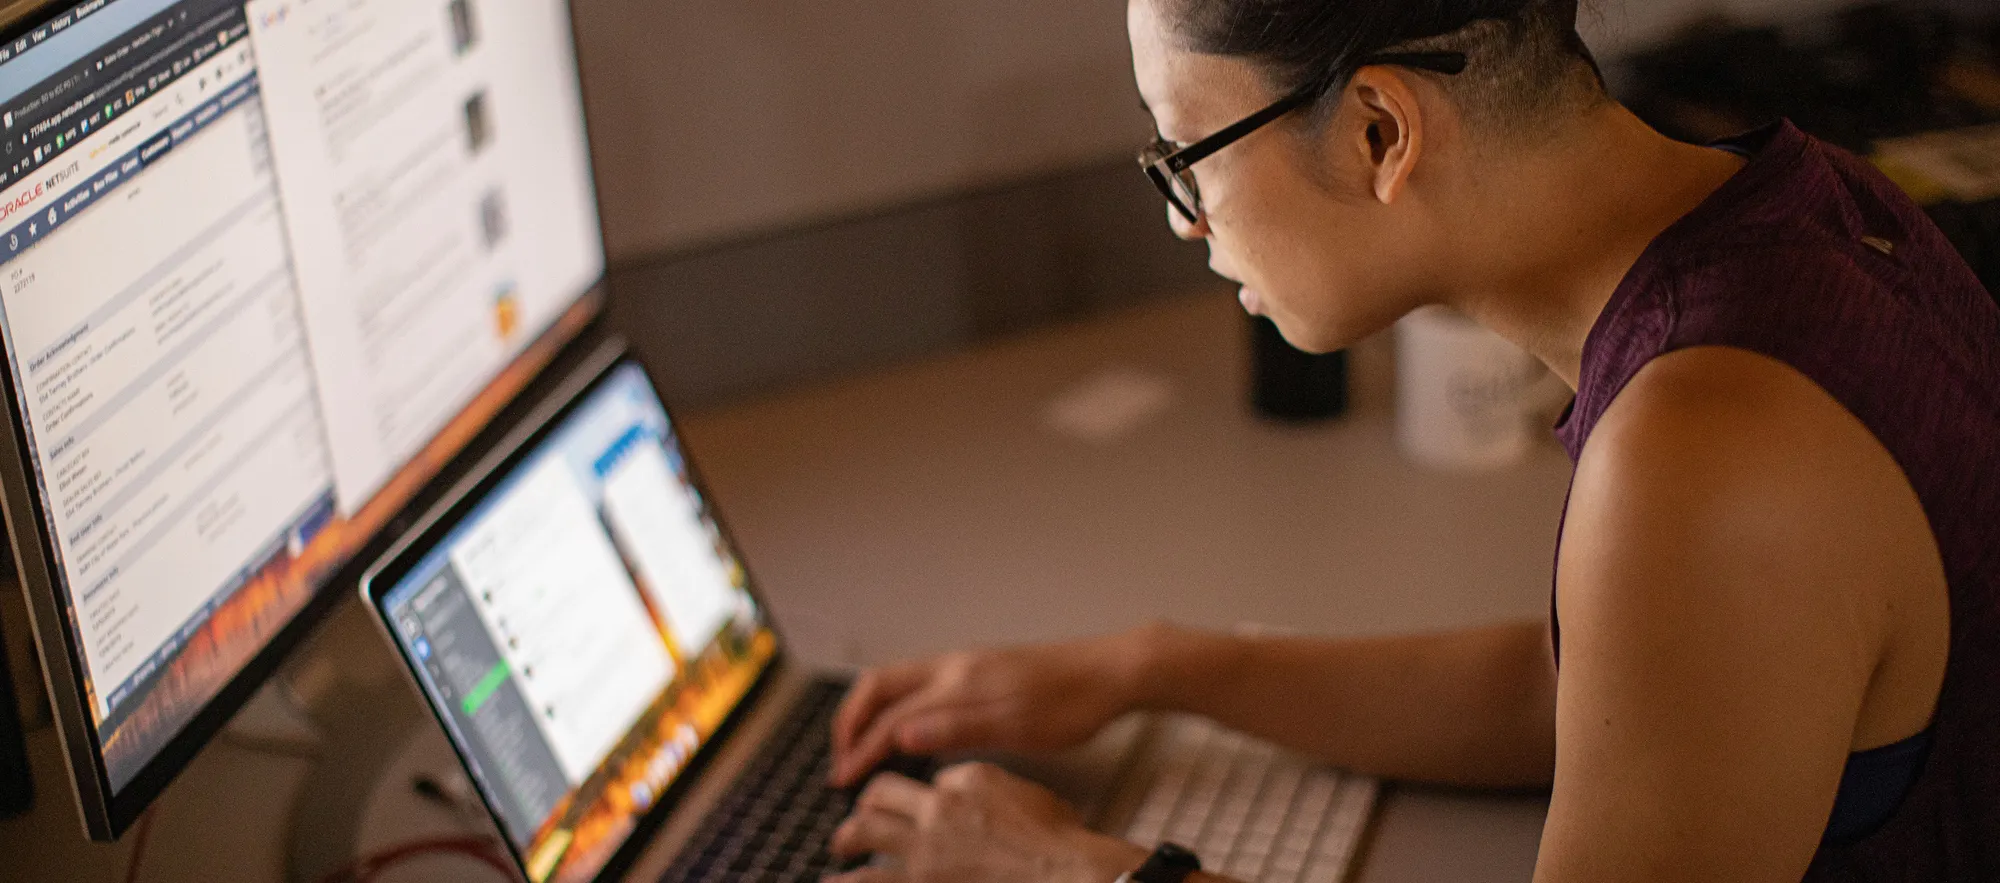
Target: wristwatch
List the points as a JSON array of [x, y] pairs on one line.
[[1170, 863]]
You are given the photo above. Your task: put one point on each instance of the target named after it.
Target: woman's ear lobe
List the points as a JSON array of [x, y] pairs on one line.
[[1393, 121]]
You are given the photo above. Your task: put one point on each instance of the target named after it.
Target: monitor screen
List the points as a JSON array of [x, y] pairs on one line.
[[581, 628], [264, 267]]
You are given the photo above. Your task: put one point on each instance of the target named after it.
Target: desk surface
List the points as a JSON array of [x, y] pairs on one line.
[[937, 495], [933, 507]]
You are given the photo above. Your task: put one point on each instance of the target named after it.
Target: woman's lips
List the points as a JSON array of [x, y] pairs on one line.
[[1253, 303]]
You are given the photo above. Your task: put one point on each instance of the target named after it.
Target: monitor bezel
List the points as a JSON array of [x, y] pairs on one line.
[[107, 813], [494, 467]]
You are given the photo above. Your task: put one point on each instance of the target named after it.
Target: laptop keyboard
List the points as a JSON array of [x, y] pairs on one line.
[[1251, 810], [776, 821]]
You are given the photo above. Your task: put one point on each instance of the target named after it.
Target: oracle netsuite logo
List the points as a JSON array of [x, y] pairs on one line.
[[22, 201]]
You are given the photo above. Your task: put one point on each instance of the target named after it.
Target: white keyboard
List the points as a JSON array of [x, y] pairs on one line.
[[1252, 811]]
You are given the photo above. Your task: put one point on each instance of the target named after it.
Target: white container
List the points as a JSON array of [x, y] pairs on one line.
[[1465, 397]]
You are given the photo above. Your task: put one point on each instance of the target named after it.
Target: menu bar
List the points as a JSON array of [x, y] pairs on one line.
[[47, 119], [38, 207]]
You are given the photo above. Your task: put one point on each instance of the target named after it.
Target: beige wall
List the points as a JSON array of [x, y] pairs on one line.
[[719, 119]]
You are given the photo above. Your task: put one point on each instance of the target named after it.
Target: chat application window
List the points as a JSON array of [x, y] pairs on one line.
[[569, 623]]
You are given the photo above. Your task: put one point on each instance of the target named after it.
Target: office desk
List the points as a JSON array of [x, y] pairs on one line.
[[932, 507]]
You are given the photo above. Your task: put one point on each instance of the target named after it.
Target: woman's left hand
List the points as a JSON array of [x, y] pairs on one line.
[[976, 824]]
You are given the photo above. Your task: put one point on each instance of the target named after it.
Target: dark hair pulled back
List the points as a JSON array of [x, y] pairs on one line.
[[1306, 43]]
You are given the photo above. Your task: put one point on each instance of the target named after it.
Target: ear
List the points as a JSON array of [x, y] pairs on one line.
[[1390, 137]]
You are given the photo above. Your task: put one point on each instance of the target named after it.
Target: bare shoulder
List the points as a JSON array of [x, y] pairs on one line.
[[1736, 476], [1730, 442], [1691, 406], [1735, 552]]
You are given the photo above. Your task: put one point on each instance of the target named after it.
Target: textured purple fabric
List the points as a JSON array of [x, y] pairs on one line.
[[1811, 257]]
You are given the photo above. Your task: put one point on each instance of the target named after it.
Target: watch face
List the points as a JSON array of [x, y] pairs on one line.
[[1170, 863], [1178, 856]]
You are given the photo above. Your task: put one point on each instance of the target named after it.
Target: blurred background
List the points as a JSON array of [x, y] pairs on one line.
[[798, 191]]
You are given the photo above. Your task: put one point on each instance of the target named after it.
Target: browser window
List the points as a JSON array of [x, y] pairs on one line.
[[430, 235], [229, 379], [166, 384]]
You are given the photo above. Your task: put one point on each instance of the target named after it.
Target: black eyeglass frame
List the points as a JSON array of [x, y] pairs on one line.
[[1167, 165]]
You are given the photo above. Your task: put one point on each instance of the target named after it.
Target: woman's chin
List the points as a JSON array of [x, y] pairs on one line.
[[1303, 337], [1253, 303]]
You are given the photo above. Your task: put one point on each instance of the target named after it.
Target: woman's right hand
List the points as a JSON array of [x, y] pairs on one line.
[[1027, 699]]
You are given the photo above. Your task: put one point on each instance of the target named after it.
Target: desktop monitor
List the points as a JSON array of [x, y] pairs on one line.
[[265, 267]]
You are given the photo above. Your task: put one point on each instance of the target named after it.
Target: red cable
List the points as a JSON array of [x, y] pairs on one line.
[[139, 836], [362, 870], [368, 868]]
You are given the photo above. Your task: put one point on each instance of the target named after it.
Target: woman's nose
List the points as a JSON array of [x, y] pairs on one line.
[[1183, 229]]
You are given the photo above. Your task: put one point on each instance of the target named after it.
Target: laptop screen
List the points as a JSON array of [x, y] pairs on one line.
[[582, 629]]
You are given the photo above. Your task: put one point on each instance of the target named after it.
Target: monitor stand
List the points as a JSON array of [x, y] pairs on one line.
[[364, 800], [274, 721], [343, 702]]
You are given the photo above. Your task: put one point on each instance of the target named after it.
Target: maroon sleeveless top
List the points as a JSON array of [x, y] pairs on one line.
[[1811, 257]]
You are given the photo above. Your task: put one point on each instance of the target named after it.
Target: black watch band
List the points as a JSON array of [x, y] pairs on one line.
[[1170, 863]]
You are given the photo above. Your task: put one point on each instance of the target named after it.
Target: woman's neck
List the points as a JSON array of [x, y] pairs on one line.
[[1579, 212]]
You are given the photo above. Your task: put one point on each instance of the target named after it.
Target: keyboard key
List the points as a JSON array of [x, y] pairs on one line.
[[775, 822], [1251, 810]]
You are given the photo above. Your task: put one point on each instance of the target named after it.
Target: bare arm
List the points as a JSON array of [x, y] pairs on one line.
[[1742, 555], [1473, 708]]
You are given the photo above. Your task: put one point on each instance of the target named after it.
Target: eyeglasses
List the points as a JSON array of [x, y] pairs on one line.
[[1171, 167]]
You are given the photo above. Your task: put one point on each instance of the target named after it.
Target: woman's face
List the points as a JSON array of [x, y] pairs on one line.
[[1292, 211]]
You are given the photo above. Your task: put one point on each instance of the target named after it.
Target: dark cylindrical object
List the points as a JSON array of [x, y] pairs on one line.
[[17, 790], [1292, 385]]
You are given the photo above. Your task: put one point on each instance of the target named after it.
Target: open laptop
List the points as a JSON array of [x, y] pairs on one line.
[[588, 637]]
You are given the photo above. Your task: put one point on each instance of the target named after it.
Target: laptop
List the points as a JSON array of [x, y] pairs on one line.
[[589, 639]]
